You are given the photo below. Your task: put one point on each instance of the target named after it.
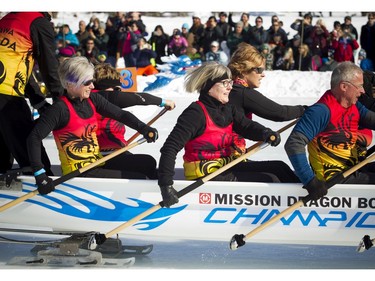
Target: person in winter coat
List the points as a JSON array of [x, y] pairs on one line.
[[235, 37], [67, 37], [195, 33], [224, 25], [259, 34], [347, 24], [128, 36], [364, 62], [90, 51], [319, 39], [205, 131], [265, 51], [304, 58], [277, 30], [344, 45], [367, 37], [212, 32], [159, 43], [286, 60], [304, 28], [178, 44], [101, 38], [245, 19], [247, 68], [215, 54], [143, 55]]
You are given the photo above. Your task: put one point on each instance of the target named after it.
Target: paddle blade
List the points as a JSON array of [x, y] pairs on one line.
[[364, 244], [95, 240], [237, 241]]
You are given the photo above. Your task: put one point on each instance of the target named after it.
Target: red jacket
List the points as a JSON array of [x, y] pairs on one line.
[[344, 49]]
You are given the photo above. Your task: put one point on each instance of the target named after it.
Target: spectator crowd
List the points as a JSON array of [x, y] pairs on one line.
[[125, 40]]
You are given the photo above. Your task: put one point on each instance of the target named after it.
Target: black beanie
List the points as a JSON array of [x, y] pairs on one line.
[[209, 83]]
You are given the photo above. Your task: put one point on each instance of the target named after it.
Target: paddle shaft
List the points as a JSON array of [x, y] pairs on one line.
[[251, 150], [152, 121], [307, 198], [71, 175], [88, 167]]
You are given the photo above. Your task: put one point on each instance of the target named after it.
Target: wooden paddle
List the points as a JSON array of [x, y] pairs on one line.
[[97, 238], [161, 113], [73, 174], [88, 167], [238, 240]]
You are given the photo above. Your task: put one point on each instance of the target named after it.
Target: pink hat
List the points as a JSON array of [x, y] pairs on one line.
[[67, 51]]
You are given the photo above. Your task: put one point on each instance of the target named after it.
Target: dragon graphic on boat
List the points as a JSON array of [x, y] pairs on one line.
[[114, 211]]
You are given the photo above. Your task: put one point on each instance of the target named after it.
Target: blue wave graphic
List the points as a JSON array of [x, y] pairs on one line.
[[120, 212]]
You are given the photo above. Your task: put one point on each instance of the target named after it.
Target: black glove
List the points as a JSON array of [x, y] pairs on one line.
[[150, 134], [316, 188], [44, 183], [169, 195], [273, 138]]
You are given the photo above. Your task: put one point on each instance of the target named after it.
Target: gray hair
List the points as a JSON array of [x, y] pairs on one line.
[[75, 70], [197, 79], [345, 71]]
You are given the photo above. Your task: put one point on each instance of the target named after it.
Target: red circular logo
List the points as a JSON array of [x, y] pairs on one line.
[[205, 198]]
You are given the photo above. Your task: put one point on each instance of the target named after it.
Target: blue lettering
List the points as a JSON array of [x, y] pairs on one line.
[[209, 219], [361, 222], [301, 218], [341, 216], [256, 217], [233, 216], [354, 218]]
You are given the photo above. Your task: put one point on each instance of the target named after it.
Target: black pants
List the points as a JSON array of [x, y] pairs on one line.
[[126, 165], [259, 171], [16, 123]]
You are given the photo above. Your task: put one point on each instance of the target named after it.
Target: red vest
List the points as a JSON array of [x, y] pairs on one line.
[[210, 151], [77, 142], [334, 149], [110, 133]]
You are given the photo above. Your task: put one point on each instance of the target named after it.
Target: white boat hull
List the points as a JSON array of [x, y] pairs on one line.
[[214, 211]]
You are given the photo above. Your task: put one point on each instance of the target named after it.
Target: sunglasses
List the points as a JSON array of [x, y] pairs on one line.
[[258, 70], [226, 83], [88, 82]]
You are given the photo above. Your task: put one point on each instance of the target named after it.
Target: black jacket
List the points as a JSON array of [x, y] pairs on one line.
[[44, 48], [249, 100]]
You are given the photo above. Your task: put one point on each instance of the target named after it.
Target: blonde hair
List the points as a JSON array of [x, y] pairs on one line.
[[105, 71], [75, 70], [199, 77], [244, 59]]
